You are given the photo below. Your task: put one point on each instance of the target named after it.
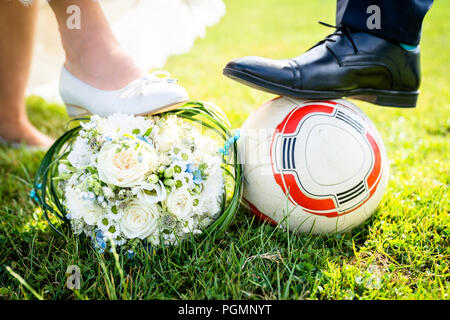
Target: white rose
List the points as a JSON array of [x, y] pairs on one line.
[[168, 136], [80, 208], [207, 145], [139, 220], [92, 213], [179, 203], [126, 167], [150, 193]]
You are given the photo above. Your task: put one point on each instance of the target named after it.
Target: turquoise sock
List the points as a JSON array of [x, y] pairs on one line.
[[408, 47]]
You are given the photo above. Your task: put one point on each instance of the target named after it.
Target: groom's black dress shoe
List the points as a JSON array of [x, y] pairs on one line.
[[345, 64]]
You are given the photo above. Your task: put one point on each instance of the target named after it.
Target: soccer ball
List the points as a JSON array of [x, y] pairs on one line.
[[313, 166]]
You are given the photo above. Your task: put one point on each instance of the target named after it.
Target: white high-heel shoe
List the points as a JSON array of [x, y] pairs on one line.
[[148, 95]]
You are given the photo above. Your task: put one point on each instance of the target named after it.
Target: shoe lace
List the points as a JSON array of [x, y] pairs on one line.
[[340, 31], [140, 86]]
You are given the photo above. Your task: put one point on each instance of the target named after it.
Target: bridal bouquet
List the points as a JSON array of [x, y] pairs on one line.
[[157, 179]]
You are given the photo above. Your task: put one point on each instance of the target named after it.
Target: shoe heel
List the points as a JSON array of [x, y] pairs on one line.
[[398, 100], [76, 111], [391, 99]]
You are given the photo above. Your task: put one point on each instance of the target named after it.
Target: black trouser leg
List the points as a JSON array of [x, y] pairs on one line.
[[395, 20]]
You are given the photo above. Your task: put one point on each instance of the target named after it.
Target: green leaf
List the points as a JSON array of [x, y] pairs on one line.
[[148, 132]]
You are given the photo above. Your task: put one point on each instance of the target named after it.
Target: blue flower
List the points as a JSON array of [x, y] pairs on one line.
[[33, 195], [145, 139], [196, 173], [229, 143], [197, 176], [130, 254], [190, 168], [99, 242]]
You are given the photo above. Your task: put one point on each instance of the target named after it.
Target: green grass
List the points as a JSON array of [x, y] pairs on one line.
[[402, 252]]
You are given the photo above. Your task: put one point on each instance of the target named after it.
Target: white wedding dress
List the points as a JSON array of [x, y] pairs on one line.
[[150, 30]]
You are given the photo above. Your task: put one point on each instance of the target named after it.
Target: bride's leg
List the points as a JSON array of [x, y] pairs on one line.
[[92, 52], [17, 24]]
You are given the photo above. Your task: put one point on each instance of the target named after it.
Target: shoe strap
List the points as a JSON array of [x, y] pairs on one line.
[[140, 86]]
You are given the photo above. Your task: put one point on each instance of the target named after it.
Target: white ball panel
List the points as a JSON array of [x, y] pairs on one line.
[[335, 158]]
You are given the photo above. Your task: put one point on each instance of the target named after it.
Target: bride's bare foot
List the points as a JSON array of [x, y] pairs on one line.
[[93, 54], [105, 66], [22, 131]]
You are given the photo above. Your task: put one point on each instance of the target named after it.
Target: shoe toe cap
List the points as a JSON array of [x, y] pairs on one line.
[[156, 98], [279, 71], [180, 92]]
